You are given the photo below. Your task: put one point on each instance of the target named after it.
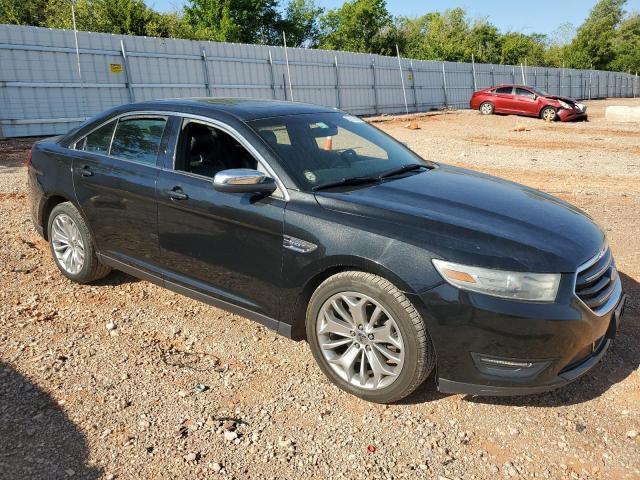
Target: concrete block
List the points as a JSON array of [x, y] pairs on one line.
[[617, 113]]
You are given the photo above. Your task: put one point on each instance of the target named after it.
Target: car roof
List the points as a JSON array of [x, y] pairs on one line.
[[244, 109], [511, 85]]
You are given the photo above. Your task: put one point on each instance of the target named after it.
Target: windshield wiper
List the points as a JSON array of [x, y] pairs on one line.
[[404, 168], [346, 181], [371, 179]]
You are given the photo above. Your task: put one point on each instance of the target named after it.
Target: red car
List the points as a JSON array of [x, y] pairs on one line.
[[523, 100]]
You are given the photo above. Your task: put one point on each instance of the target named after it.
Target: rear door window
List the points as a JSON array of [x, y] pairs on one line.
[[138, 139], [504, 90], [99, 140]]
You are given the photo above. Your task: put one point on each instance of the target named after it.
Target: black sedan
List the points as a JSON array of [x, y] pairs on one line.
[[322, 227]]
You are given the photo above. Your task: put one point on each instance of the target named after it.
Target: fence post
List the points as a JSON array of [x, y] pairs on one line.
[[375, 86], [273, 77], [493, 76], [444, 86], [413, 85], [513, 74], [473, 70], [546, 81], [205, 70], [560, 81], [404, 92], [284, 86], [570, 85], [335, 63], [590, 82], [286, 55], [127, 79]]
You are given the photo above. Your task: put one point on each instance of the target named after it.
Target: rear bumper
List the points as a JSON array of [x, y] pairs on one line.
[[560, 341], [571, 115]]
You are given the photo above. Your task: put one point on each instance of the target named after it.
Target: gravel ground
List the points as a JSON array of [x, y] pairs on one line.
[[122, 379]]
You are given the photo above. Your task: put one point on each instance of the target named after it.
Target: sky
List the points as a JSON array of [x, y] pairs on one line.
[[541, 16]]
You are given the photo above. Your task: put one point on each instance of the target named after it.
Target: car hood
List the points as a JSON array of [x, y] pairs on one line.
[[564, 99], [466, 216]]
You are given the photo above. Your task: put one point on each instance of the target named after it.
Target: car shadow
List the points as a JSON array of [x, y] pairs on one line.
[[621, 360], [115, 279], [37, 439]]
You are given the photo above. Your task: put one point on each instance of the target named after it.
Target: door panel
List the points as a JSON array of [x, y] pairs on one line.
[[119, 203], [504, 100], [228, 245], [118, 195], [526, 102]]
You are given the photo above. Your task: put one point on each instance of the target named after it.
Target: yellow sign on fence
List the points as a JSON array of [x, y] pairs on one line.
[[115, 67]]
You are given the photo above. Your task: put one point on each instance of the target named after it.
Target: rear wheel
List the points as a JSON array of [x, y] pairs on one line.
[[486, 108], [72, 245], [548, 114], [368, 338]]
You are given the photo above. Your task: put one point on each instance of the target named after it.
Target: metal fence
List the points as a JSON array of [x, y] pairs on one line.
[[45, 88]]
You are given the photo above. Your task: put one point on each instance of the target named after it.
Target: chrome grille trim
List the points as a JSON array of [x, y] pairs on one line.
[[597, 283]]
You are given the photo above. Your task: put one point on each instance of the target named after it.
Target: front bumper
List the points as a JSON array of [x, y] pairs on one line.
[[570, 115], [464, 326]]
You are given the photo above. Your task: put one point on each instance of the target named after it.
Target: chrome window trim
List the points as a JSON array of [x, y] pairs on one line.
[[281, 192], [617, 291], [134, 116], [116, 119]]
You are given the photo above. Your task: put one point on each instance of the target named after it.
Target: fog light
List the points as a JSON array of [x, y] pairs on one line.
[[508, 367]]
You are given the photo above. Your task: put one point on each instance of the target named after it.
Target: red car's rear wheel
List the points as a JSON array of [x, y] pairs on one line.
[[486, 108]]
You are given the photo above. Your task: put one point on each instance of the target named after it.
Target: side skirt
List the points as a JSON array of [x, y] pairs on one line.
[[280, 327]]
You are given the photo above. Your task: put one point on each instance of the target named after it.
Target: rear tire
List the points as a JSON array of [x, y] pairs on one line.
[[548, 114], [486, 108], [72, 245], [379, 348]]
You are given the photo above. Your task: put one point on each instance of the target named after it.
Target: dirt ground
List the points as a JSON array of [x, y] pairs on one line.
[[102, 381]]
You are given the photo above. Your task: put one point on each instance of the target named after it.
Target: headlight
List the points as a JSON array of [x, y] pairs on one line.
[[564, 105], [534, 287]]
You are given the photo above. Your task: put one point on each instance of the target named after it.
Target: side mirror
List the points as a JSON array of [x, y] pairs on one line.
[[535, 97], [243, 180]]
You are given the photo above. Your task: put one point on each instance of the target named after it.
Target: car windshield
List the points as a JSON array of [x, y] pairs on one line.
[[322, 149]]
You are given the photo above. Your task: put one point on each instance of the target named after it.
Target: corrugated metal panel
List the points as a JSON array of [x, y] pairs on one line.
[[42, 93]]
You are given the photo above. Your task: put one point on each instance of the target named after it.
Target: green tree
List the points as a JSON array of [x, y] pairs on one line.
[[301, 23], [358, 26], [518, 48], [169, 25], [246, 21], [485, 42], [594, 42], [128, 17], [22, 12], [626, 45]]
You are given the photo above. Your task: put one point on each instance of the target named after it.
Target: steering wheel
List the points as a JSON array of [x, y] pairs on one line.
[[346, 157]]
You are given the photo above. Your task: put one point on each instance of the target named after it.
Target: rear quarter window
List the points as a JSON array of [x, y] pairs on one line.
[[99, 140]]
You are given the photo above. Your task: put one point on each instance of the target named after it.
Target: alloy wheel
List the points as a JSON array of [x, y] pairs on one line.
[[486, 108], [360, 340], [549, 114], [67, 243]]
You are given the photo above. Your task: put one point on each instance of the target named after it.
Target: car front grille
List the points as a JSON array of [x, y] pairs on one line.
[[597, 281]]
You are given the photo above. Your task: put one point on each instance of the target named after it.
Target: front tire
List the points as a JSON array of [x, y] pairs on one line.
[[71, 245], [368, 338], [486, 108], [548, 114]]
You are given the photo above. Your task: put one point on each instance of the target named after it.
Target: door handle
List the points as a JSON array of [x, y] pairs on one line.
[[176, 193], [85, 171]]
